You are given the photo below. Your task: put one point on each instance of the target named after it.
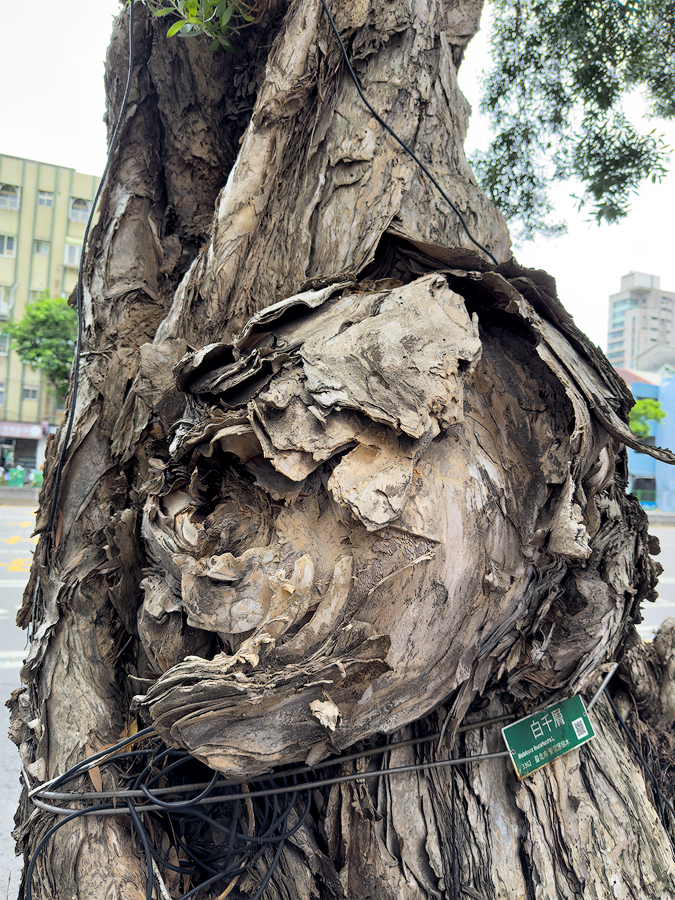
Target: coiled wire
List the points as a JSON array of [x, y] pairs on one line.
[[200, 857]]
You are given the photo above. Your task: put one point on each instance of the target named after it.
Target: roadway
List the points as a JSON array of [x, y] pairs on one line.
[[16, 547], [654, 613]]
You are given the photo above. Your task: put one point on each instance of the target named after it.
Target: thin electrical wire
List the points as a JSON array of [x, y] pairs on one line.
[[299, 770], [605, 681], [639, 754], [41, 844], [399, 140], [140, 830], [323, 782], [80, 317], [243, 850], [92, 761], [275, 831]]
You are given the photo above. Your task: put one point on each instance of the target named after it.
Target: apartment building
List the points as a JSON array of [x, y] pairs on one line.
[[43, 215], [640, 324]]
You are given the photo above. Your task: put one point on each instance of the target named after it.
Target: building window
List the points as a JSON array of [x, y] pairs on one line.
[[7, 245], [9, 196], [5, 300], [45, 198], [625, 304], [34, 295], [30, 393], [4, 344], [79, 210], [72, 254], [41, 248], [2, 393]]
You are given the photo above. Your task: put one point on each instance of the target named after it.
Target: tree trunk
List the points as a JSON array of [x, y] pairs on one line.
[[334, 477]]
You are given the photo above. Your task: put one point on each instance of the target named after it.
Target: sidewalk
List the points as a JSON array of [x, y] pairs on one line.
[[19, 497], [660, 518]]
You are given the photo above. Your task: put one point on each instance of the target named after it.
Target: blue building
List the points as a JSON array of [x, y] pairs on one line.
[[653, 482], [665, 474]]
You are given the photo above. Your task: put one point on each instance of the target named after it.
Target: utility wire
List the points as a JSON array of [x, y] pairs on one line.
[[154, 806], [161, 761], [399, 140], [640, 756], [80, 301], [92, 761]]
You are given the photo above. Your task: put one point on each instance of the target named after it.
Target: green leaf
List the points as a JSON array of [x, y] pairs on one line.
[[214, 45], [226, 16], [161, 12], [175, 28], [45, 338]]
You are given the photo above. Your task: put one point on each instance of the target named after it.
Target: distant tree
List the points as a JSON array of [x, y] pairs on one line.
[[321, 492], [560, 73], [554, 95], [45, 337], [644, 412]]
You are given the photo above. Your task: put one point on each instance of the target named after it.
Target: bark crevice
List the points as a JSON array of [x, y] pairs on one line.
[[335, 480]]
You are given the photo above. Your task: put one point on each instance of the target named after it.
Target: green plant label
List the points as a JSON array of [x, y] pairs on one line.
[[546, 735]]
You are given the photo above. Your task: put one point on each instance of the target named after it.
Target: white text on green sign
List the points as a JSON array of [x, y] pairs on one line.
[[546, 735]]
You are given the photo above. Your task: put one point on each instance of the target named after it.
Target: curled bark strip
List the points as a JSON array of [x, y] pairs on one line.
[[333, 477]]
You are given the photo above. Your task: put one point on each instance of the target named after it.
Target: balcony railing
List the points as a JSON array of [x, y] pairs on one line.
[[646, 498]]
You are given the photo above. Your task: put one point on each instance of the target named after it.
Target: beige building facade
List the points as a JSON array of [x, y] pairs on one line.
[[641, 321], [43, 215]]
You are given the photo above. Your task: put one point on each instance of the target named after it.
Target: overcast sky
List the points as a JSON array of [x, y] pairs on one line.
[[53, 108]]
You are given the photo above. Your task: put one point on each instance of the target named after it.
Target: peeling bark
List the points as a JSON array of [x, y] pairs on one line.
[[336, 480]]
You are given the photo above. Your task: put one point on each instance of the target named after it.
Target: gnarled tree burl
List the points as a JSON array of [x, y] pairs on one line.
[[335, 477]]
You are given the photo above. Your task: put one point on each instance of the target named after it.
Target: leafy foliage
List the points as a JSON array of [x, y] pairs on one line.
[[217, 20], [644, 412], [561, 69], [45, 338]]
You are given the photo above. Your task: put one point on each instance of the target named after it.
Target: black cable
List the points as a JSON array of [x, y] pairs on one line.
[[407, 149], [43, 841], [275, 801], [299, 770], [640, 756], [243, 850], [271, 869], [183, 804], [89, 761], [323, 782], [140, 830], [455, 879], [270, 872], [78, 347]]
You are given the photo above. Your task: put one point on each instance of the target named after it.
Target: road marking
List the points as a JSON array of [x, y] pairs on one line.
[[14, 582], [667, 580], [14, 539], [12, 659], [20, 564]]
